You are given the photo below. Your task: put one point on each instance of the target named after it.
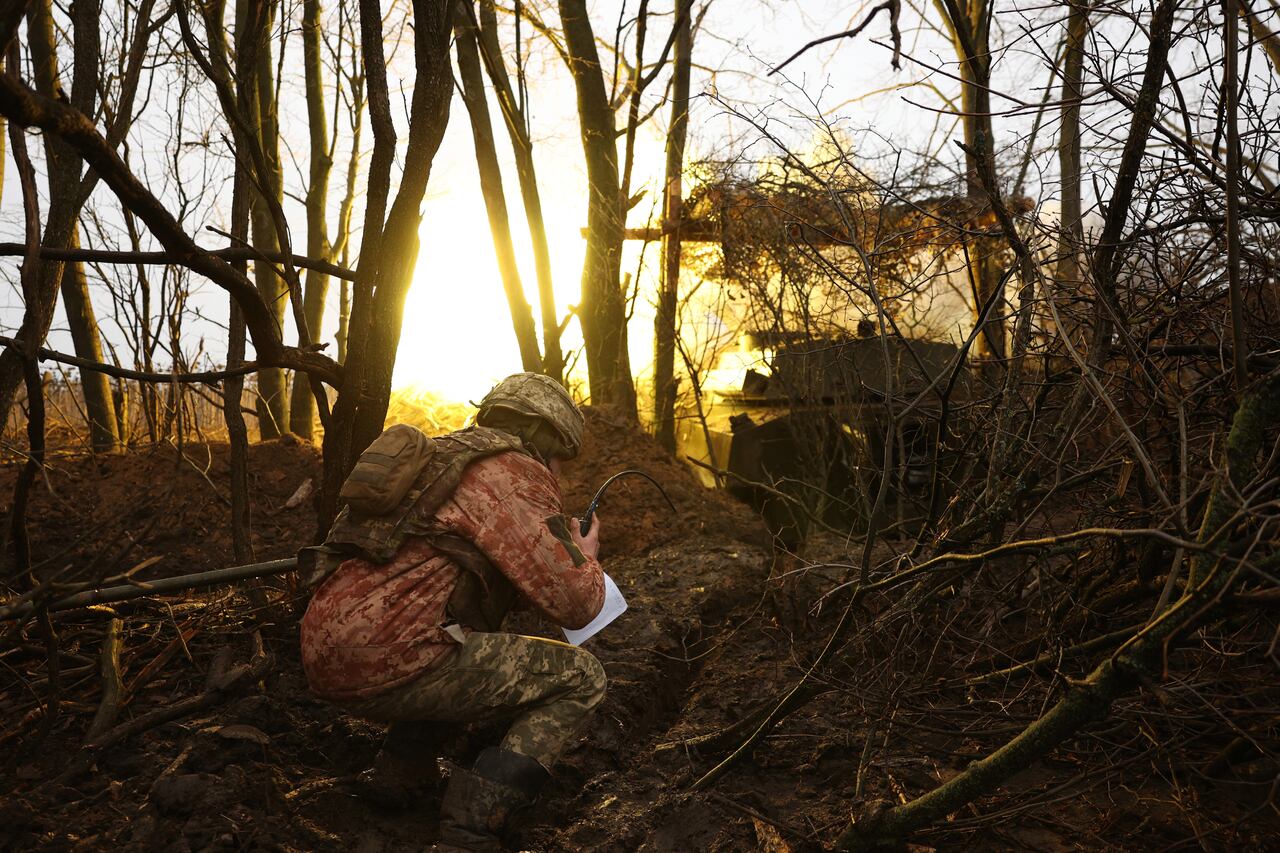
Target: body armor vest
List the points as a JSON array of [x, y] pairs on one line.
[[483, 594]]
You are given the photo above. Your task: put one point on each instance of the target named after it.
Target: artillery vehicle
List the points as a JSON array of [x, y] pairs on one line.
[[810, 431]]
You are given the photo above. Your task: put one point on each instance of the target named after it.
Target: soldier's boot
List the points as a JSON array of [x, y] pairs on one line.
[[480, 802], [405, 772]]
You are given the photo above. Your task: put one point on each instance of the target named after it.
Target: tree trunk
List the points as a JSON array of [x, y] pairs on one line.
[[1108, 253], [495, 200], [664, 337], [302, 402], [1231, 223], [970, 34], [389, 252], [1067, 275], [65, 200], [273, 391], [603, 309], [344, 319], [104, 433], [342, 242], [522, 148], [233, 387]]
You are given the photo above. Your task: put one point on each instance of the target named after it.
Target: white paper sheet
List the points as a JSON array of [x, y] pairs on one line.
[[614, 606]]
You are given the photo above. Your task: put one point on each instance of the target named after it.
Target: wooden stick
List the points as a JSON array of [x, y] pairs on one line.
[[253, 670], [112, 683], [140, 589]]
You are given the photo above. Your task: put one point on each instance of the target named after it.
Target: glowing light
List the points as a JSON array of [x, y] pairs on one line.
[[457, 338], [731, 369], [428, 410]]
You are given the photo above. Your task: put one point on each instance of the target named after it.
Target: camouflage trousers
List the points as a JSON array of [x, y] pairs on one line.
[[547, 689]]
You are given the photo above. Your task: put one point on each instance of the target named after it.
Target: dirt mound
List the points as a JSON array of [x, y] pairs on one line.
[[633, 516], [105, 514]]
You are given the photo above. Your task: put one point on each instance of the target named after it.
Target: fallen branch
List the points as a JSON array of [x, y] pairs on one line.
[[167, 654], [1054, 657], [140, 589], [112, 683], [218, 688]]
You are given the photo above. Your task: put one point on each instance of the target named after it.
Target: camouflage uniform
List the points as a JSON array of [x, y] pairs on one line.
[[550, 688], [374, 638], [447, 533]]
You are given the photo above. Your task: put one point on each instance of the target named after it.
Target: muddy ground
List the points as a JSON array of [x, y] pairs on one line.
[[254, 762]]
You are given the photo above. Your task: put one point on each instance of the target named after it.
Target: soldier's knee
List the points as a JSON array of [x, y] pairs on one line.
[[595, 682]]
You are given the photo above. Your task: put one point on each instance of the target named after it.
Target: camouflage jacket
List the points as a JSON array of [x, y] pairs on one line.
[[371, 627]]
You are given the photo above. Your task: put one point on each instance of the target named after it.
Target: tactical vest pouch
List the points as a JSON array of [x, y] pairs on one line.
[[377, 536], [386, 470]]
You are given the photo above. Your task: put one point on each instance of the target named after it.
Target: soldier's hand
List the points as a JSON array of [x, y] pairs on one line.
[[589, 545]]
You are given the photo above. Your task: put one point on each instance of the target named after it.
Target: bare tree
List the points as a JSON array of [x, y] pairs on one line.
[[388, 248], [495, 199], [664, 391], [603, 310], [516, 121]]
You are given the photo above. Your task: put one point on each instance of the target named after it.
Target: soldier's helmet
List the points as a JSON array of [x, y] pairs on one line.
[[532, 395]]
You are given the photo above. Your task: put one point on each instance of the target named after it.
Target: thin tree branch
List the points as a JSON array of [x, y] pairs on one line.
[[891, 6], [230, 254]]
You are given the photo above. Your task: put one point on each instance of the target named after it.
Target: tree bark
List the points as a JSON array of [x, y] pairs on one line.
[[1068, 271], [522, 147], [302, 402], [664, 337], [273, 391], [495, 200], [603, 309], [66, 198]]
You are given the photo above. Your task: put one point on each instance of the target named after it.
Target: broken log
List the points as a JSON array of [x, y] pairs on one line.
[[141, 589], [112, 682]]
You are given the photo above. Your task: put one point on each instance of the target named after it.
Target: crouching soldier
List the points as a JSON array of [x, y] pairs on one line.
[[438, 539]]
